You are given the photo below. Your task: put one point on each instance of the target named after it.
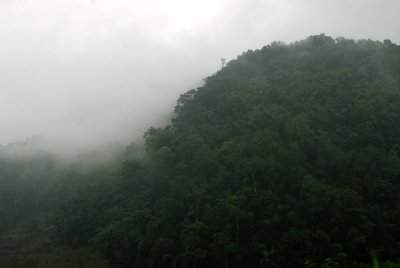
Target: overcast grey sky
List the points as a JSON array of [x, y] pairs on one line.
[[88, 72]]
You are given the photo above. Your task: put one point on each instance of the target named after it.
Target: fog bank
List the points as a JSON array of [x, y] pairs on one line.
[[87, 74]]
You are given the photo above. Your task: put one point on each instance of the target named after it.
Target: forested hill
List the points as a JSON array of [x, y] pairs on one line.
[[289, 156]]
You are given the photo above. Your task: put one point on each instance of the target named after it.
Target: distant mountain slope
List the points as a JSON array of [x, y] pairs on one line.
[[34, 185], [287, 157]]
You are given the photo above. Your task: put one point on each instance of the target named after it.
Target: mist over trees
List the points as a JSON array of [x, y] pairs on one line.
[[88, 74], [288, 156]]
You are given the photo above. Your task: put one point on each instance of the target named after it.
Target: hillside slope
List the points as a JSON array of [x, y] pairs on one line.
[[287, 157]]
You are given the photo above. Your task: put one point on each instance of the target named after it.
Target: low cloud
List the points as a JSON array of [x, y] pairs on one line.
[[87, 74]]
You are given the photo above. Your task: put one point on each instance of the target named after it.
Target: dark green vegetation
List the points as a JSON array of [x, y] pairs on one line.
[[33, 187], [287, 157]]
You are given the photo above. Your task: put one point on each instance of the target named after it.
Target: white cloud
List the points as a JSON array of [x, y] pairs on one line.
[[89, 72]]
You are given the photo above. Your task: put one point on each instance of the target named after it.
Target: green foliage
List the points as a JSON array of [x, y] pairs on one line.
[[286, 156], [289, 156], [37, 192]]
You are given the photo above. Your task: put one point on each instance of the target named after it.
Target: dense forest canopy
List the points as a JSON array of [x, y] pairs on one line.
[[289, 156]]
